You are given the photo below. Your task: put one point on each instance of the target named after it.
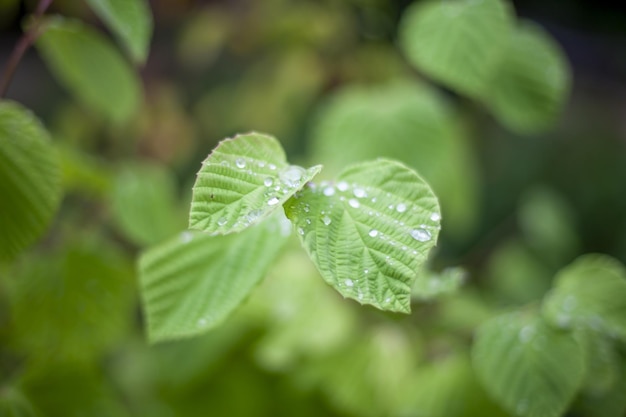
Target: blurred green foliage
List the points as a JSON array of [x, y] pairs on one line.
[[529, 179]]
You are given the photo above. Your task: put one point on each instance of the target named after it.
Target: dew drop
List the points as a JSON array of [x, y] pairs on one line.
[[291, 176], [420, 235], [342, 186], [273, 201], [308, 221], [354, 203], [373, 233], [349, 282], [387, 300], [185, 237], [202, 322], [401, 208], [268, 182], [307, 208], [326, 220], [366, 271], [253, 215], [261, 164], [300, 231], [435, 217], [222, 221], [360, 295], [359, 193], [272, 167], [373, 199], [328, 191], [240, 163], [390, 206]]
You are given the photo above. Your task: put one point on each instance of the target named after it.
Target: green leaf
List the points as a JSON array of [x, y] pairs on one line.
[[532, 82], [409, 122], [590, 292], [144, 204], [29, 179], [369, 232], [72, 304], [130, 20], [459, 43], [195, 281], [241, 182], [610, 403], [90, 67], [603, 363], [531, 369]]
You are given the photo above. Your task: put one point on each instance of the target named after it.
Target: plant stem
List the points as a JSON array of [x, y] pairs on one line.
[[21, 46]]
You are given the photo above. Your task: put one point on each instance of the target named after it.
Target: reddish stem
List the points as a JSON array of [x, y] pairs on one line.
[[22, 46]]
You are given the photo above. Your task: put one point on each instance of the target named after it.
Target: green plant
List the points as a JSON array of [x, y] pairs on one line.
[[514, 323]]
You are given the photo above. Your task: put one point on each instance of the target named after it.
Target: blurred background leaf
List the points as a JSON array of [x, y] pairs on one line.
[[130, 21], [29, 179], [91, 68]]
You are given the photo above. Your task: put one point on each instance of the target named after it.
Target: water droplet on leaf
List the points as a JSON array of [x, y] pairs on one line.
[[420, 235], [342, 186], [359, 193], [349, 282], [273, 201], [328, 191], [185, 237], [373, 233], [401, 208], [291, 176], [240, 163], [222, 221], [354, 203], [268, 182]]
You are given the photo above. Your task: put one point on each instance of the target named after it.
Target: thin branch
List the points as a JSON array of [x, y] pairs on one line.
[[22, 46]]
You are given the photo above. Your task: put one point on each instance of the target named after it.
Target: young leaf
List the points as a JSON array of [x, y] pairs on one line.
[[459, 43], [532, 82], [242, 181], [590, 292], [30, 183], [130, 20], [369, 232], [531, 369], [90, 67], [195, 281]]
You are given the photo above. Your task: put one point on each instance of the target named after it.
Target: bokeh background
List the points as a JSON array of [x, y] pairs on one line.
[[521, 207]]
